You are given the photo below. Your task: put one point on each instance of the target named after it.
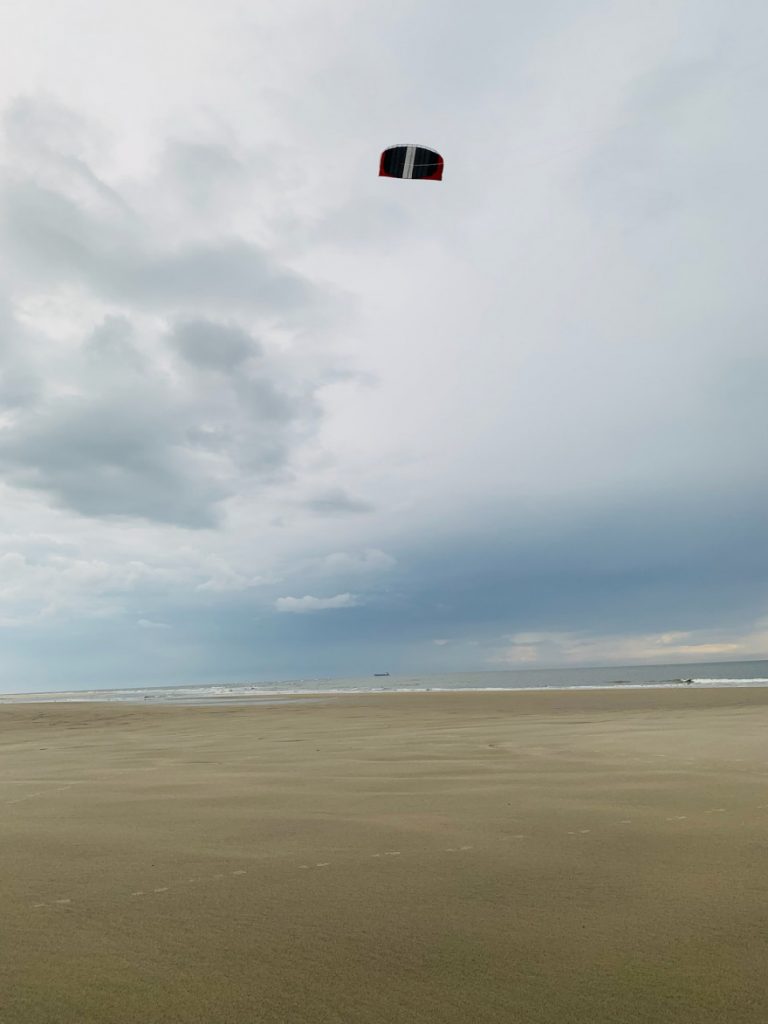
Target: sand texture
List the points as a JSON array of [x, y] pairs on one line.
[[450, 858]]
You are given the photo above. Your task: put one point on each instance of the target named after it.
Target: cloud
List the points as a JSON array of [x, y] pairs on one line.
[[214, 346], [206, 172], [316, 604], [581, 649], [128, 438], [112, 346], [222, 578], [100, 457], [45, 584], [564, 437], [162, 407], [369, 560], [19, 381], [440, 643], [54, 240], [335, 501], [149, 624], [116, 573]]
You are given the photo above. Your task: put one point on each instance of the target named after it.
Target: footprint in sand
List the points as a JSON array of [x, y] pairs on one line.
[[163, 888], [323, 865], [238, 872]]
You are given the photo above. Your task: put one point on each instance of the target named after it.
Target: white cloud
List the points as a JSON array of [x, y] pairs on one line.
[[316, 604], [150, 624], [369, 560], [41, 586], [42, 577], [440, 643], [224, 578]]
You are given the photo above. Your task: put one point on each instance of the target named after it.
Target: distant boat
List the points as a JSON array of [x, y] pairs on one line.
[[379, 675]]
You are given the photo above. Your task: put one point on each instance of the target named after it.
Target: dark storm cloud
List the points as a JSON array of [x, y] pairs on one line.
[[690, 564], [683, 562]]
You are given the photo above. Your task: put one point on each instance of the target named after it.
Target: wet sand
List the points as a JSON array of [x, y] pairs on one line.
[[541, 858]]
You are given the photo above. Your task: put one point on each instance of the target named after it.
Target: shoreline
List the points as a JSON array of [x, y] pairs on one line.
[[274, 697], [497, 701]]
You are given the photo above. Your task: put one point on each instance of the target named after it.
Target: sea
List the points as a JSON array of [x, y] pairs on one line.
[[702, 674]]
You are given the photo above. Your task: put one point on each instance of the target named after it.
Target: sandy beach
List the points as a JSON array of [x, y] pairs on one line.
[[539, 858]]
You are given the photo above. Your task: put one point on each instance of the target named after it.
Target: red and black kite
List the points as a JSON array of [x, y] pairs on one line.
[[411, 162]]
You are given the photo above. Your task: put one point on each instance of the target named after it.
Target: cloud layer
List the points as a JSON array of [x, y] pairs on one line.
[[159, 398], [517, 418]]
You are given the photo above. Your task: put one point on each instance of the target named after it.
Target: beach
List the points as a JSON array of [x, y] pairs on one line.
[[532, 857]]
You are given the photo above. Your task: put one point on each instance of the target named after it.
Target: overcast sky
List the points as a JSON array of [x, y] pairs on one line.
[[265, 415]]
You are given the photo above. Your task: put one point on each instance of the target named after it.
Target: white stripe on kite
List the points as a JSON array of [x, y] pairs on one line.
[[410, 158]]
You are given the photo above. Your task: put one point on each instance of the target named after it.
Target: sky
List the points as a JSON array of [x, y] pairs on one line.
[[264, 415]]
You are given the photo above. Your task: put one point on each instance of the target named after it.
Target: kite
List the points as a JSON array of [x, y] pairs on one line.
[[411, 162]]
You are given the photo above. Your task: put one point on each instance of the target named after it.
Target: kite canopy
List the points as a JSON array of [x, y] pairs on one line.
[[411, 162]]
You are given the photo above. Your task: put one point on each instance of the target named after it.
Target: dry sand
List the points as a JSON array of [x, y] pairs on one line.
[[535, 858]]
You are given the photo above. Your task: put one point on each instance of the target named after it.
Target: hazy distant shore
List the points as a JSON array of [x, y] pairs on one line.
[[440, 857]]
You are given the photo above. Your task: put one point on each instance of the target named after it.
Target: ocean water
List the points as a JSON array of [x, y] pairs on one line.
[[708, 674]]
